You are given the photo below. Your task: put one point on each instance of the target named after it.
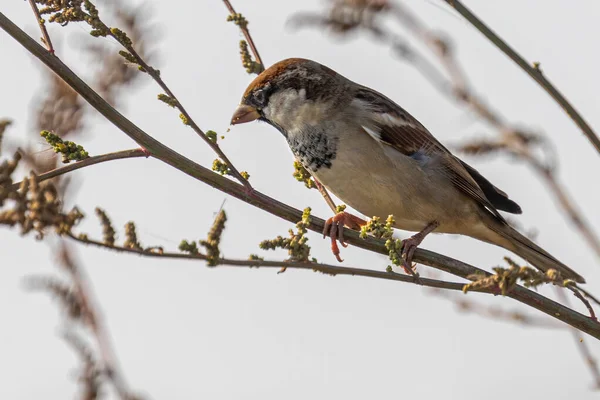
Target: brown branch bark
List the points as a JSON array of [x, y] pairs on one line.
[[155, 75], [247, 35], [533, 72], [462, 91], [40, 21], [320, 267], [133, 153], [257, 199], [583, 348], [94, 320]]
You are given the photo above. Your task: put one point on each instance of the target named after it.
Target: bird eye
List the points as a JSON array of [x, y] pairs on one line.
[[260, 97]]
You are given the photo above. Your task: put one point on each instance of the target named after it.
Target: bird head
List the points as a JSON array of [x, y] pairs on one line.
[[291, 93]]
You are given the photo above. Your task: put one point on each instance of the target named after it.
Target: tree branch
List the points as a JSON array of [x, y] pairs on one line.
[[257, 199], [42, 24], [513, 140], [246, 33], [532, 71], [85, 163], [186, 117], [92, 319], [319, 267]]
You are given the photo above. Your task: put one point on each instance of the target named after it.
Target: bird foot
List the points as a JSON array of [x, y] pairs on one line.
[[411, 244], [334, 228]]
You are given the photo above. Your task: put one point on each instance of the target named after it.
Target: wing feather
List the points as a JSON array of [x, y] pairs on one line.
[[393, 126]]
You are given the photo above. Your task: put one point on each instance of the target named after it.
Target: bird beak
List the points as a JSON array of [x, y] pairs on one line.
[[243, 114]]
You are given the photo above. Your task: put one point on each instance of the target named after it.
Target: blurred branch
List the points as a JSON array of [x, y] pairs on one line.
[[466, 306], [123, 40], [4, 123], [42, 24], [94, 321], [87, 12], [116, 74], [532, 70], [517, 145], [168, 156], [77, 299], [345, 16], [583, 348]]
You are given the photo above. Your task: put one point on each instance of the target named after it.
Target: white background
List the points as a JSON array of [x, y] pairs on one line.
[[183, 331]]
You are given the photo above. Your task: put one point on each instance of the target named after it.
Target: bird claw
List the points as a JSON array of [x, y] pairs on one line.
[[410, 245], [334, 228]]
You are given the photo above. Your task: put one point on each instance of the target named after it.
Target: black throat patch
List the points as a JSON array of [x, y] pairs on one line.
[[313, 148]]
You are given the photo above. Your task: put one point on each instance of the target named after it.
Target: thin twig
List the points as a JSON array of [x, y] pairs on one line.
[[155, 74], [214, 146], [324, 268], [254, 49], [257, 199], [41, 23], [584, 301], [496, 313], [586, 293], [513, 146], [567, 204], [457, 87], [320, 267], [95, 323], [246, 33], [582, 346], [533, 72], [326, 195], [463, 93], [86, 163]]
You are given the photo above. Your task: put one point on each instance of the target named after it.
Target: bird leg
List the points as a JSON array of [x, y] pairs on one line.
[[410, 245], [334, 228]]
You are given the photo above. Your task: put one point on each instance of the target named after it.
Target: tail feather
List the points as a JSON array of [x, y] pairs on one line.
[[531, 252]]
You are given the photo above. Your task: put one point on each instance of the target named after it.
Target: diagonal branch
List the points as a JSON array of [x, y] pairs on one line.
[[273, 206], [85, 163], [94, 320], [514, 140], [42, 24], [531, 70], [246, 33]]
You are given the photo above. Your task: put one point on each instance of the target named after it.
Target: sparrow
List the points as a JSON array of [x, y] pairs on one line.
[[378, 159]]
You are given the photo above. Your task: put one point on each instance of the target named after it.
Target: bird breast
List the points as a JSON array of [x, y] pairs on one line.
[[377, 180]]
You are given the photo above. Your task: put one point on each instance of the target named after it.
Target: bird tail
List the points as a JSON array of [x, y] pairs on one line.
[[513, 241]]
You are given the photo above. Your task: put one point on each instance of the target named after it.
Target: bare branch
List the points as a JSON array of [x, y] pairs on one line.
[[354, 15], [42, 24], [532, 70], [327, 269], [583, 348], [133, 153], [167, 155], [470, 307], [246, 32], [94, 321]]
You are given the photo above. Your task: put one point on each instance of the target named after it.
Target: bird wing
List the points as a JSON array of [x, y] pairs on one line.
[[391, 125]]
